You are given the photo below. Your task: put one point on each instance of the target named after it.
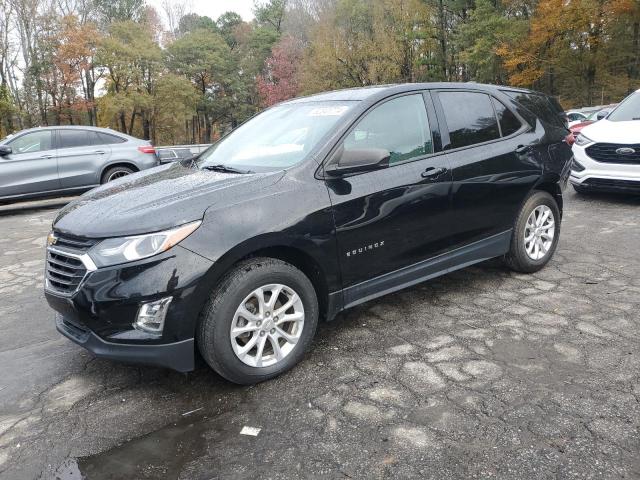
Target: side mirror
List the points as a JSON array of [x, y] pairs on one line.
[[5, 150], [359, 160], [602, 114]]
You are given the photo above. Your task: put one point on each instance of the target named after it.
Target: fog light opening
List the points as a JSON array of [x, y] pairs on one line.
[[151, 316]]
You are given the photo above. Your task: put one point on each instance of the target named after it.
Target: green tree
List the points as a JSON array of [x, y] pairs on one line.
[[204, 58]]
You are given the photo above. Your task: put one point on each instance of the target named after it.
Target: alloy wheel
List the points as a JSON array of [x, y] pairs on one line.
[[117, 174], [539, 232], [267, 325]]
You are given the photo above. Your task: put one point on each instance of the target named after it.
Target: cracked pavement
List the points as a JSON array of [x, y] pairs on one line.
[[479, 374]]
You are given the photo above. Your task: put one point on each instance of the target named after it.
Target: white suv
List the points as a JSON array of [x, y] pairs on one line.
[[607, 153]]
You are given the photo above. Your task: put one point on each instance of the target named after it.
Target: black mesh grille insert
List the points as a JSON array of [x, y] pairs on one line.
[[614, 153]]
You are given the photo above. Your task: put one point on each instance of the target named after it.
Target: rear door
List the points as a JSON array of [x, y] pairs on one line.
[[493, 167], [31, 167], [81, 156], [395, 217]]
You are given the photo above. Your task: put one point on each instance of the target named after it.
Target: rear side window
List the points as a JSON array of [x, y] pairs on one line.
[[470, 118], [108, 139], [546, 109], [76, 138], [399, 125], [509, 123]]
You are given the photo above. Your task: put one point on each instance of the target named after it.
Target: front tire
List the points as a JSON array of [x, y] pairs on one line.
[[535, 234], [259, 321]]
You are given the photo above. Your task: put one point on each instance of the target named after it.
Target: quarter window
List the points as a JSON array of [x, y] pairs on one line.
[[108, 139], [31, 142], [470, 118], [399, 125], [509, 123]]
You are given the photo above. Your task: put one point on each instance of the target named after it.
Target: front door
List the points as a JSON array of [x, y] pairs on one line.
[[391, 218], [31, 167]]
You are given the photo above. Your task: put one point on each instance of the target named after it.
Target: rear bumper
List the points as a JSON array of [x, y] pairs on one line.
[[178, 356]]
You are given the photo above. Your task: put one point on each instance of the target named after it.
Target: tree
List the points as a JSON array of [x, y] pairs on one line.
[[281, 78], [133, 62], [205, 59], [110, 11]]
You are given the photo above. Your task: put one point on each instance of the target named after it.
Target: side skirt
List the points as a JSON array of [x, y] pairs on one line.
[[462, 257]]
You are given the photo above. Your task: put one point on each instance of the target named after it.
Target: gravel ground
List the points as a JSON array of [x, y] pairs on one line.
[[482, 373]]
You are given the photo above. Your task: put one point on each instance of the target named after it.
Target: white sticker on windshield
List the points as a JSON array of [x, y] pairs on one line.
[[328, 111]]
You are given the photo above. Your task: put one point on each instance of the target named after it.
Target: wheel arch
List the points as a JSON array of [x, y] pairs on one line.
[[274, 247], [552, 187], [118, 163]]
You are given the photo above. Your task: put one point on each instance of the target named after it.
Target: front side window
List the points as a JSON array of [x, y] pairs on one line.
[[470, 118], [278, 138], [399, 126], [31, 142], [628, 110]]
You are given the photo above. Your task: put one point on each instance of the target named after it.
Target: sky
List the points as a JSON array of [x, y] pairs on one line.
[[213, 8]]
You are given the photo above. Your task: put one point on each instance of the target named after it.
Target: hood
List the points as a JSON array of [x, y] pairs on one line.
[[155, 200], [605, 131]]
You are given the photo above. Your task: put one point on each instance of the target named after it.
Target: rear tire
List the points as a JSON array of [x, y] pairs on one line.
[[234, 306], [535, 234], [114, 173]]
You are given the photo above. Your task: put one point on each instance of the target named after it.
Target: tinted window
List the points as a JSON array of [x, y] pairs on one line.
[[470, 118], [76, 138], [546, 109], [31, 142], [399, 126], [108, 139], [509, 123]]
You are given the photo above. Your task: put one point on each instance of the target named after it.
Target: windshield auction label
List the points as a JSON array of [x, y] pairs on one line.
[[328, 111]]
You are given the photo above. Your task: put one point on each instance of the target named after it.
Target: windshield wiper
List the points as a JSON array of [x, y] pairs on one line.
[[225, 168]]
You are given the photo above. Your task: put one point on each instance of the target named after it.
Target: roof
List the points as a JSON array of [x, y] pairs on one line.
[[362, 93]]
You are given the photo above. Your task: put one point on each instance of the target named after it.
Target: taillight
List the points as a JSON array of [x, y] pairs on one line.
[[147, 149]]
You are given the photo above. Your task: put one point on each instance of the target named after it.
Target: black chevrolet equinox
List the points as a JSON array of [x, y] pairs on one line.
[[311, 207]]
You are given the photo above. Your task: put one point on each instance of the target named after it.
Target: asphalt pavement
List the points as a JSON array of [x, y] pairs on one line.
[[479, 374]]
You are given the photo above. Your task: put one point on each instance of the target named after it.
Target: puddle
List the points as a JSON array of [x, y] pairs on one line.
[[160, 454]]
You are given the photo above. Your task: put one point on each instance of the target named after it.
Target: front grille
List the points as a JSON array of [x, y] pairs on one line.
[[607, 153], [64, 273], [64, 268]]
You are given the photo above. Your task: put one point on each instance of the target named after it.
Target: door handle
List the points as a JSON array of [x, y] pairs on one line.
[[46, 156], [99, 152], [433, 172], [520, 149]]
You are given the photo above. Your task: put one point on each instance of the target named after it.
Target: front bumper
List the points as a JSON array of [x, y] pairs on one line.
[[604, 176], [99, 316], [179, 356]]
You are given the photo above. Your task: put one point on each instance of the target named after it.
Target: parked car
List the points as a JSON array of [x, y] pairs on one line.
[[574, 117], [314, 206], [607, 153], [592, 118], [170, 154], [53, 161]]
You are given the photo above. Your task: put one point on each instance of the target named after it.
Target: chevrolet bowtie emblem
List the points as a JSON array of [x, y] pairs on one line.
[[51, 239]]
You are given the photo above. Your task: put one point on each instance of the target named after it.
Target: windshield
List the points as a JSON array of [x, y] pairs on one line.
[[628, 110], [278, 138]]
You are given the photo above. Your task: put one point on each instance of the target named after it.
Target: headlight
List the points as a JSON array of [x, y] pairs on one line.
[[582, 140], [127, 249]]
